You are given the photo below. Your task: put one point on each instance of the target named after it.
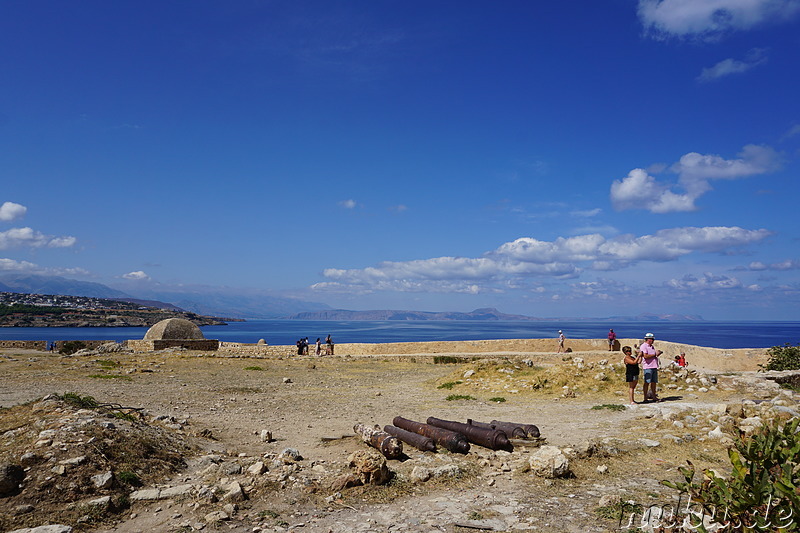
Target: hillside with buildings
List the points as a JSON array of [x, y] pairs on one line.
[[48, 310]]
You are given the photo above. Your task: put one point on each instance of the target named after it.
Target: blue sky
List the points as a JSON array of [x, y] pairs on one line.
[[575, 158]]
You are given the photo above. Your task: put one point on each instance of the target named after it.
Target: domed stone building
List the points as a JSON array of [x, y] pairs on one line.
[[171, 333]]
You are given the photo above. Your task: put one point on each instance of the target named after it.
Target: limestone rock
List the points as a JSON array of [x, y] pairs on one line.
[[549, 462], [51, 528], [369, 466], [103, 481], [420, 474], [234, 493], [257, 468]]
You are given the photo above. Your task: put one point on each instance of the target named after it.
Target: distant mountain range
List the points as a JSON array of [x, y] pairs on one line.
[[244, 303], [214, 301], [488, 313]]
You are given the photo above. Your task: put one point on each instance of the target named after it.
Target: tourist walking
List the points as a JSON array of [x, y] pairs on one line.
[[318, 351], [612, 337], [631, 371], [329, 344], [561, 339]]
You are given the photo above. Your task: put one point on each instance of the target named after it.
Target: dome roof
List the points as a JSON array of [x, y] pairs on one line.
[[174, 329]]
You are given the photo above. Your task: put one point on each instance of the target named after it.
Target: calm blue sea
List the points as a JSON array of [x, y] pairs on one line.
[[708, 333]]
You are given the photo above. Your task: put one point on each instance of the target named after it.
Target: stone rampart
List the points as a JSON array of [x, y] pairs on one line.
[[141, 345], [252, 350], [89, 345], [25, 345]]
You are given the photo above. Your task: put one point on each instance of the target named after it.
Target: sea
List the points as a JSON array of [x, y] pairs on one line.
[[716, 334]]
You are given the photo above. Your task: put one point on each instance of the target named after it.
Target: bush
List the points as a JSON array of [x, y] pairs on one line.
[[70, 347], [786, 357], [446, 360], [763, 491]]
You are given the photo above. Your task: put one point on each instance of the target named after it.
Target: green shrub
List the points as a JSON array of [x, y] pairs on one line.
[[253, 368], [70, 347], [445, 359], [459, 397], [763, 491], [129, 478], [786, 357], [83, 402], [449, 385], [498, 399]]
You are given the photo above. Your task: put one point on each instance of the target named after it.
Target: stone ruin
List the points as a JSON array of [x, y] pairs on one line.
[[173, 333]]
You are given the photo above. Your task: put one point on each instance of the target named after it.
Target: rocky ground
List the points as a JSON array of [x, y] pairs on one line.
[[185, 441]]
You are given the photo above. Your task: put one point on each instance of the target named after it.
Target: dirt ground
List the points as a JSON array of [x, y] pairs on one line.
[[309, 403]]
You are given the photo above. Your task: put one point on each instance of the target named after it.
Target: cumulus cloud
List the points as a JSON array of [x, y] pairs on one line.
[[707, 281], [348, 204], [12, 265], [640, 190], [11, 211], [136, 275], [525, 258], [729, 66], [710, 19], [21, 237], [789, 264]]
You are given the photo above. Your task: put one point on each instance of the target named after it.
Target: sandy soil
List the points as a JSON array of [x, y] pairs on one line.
[[303, 400]]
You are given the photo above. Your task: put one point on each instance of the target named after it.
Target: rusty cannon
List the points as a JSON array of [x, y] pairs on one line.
[[416, 440], [385, 443], [494, 439], [512, 432], [531, 431], [449, 440]]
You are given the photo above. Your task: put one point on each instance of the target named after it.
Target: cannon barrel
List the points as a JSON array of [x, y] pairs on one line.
[[449, 440], [416, 440], [493, 439], [385, 443], [531, 430], [512, 432]]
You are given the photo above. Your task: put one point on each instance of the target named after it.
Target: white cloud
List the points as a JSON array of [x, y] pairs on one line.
[[514, 262], [348, 204], [789, 264], [11, 211], [11, 265], [707, 282], [19, 237], [794, 130], [640, 190], [729, 66], [588, 213], [136, 275], [709, 19]]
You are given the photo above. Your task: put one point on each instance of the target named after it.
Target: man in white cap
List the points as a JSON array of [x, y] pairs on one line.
[[561, 339], [650, 366]]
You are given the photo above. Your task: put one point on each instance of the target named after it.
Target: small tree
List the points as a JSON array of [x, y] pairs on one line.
[[786, 357]]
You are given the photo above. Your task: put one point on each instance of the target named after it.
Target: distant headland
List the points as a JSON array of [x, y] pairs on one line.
[[487, 313]]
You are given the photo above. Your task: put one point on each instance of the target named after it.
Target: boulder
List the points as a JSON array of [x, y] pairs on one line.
[[369, 466], [549, 462]]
